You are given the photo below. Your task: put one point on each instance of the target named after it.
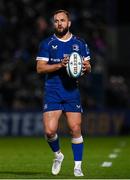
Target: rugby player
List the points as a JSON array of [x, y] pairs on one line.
[[61, 93]]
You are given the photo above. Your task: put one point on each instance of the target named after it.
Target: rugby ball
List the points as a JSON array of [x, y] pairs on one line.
[[74, 66]]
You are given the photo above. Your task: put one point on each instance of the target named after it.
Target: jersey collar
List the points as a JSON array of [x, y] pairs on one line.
[[62, 39]]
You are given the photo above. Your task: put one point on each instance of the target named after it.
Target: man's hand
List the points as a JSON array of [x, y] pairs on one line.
[[64, 61], [86, 66]]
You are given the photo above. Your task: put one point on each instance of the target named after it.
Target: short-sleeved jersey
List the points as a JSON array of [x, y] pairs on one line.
[[53, 50]]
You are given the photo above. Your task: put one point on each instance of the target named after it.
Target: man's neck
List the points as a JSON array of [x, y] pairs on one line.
[[65, 37]]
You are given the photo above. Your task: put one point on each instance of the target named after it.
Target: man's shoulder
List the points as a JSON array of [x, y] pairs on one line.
[[48, 40], [77, 38]]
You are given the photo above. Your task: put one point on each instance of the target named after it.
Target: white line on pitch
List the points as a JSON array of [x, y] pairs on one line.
[[117, 150], [112, 156], [106, 164]]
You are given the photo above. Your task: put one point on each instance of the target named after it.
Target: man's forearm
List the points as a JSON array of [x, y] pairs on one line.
[[48, 68]]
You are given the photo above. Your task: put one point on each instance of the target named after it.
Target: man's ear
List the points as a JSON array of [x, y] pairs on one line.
[[69, 23]]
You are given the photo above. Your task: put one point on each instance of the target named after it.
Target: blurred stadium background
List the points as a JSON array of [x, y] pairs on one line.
[[105, 25]]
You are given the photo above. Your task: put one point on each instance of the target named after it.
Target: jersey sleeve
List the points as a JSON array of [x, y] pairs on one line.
[[85, 51], [43, 53]]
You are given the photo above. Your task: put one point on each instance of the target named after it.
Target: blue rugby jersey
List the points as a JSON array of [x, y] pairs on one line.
[[53, 50]]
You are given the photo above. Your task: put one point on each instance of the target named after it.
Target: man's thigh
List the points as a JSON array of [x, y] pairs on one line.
[[51, 119], [73, 119]]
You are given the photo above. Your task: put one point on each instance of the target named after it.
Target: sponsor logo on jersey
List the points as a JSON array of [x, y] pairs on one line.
[[54, 47], [55, 60], [78, 106]]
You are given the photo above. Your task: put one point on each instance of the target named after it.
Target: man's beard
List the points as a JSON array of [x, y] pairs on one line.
[[61, 33]]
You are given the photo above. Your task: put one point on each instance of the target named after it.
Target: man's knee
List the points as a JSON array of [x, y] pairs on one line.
[[76, 129], [50, 133], [50, 139]]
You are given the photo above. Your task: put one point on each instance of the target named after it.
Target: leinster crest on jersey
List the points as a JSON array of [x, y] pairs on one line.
[[75, 47]]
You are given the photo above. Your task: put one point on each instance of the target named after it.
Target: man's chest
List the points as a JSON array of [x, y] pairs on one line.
[[58, 51]]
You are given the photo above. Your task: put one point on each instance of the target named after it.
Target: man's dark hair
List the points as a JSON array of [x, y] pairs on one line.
[[62, 11]]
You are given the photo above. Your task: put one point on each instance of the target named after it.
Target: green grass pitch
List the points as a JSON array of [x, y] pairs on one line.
[[31, 158]]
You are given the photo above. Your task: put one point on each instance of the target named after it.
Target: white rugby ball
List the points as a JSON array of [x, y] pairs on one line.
[[74, 66]]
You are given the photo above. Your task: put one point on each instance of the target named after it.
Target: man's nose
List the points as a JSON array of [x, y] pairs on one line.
[[59, 23]]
